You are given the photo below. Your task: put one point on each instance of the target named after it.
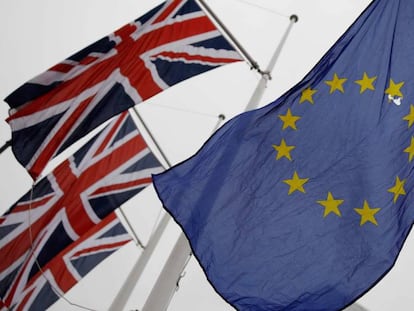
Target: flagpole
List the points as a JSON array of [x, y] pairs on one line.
[[129, 284], [163, 290], [126, 289], [134, 234], [266, 76], [167, 282], [233, 40], [154, 141]]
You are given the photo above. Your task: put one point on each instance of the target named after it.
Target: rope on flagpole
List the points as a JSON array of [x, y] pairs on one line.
[[57, 291], [141, 120], [263, 8], [204, 114], [135, 235]]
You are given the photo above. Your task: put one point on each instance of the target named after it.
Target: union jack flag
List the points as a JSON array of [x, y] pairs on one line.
[[114, 166], [37, 290], [169, 44]]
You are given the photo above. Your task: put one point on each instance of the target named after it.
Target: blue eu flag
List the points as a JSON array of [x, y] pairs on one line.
[[305, 204]]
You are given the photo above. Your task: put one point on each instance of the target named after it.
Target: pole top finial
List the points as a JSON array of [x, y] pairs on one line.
[[294, 18]]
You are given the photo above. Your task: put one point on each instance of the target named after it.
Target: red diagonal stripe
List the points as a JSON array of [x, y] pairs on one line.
[[112, 132], [165, 12], [87, 60], [62, 132], [95, 249], [64, 68], [126, 185], [202, 58], [78, 216]]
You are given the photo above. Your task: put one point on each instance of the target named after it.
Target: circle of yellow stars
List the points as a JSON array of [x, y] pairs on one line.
[[331, 204]]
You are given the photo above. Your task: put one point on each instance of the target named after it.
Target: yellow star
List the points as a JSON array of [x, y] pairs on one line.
[[289, 120], [283, 150], [367, 214], [296, 183], [336, 84], [366, 83], [307, 95], [394, 89], [410, 150], [331, 205], [398, 188], [410, 117]]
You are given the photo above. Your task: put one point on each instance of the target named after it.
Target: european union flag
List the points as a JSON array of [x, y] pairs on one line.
[[305, 204]]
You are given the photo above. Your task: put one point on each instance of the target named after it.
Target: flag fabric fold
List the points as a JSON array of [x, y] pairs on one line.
[[115, 165], [167, 45], [305, 203], [39, 290]]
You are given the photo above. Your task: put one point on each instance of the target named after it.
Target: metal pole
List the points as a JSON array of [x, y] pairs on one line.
[[167, 282], [253, 63], [126, 289], [152, 137], [134, 234], [266, 76], [118, 304], [163, 290]]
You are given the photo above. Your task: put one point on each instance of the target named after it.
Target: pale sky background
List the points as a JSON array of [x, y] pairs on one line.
[[38, 34]]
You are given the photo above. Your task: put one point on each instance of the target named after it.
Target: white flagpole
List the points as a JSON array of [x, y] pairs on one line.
[[118, 304], [266, 76], [232, 39], [167, 282], [126, 289], [128, 286], [163, 290]]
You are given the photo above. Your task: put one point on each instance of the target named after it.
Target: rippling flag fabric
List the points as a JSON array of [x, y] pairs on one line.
[[35, 290], [115, 165], [169, 44], [305, 203]]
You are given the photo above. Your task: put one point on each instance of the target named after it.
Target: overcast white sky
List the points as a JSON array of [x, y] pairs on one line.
[[38, 34]]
